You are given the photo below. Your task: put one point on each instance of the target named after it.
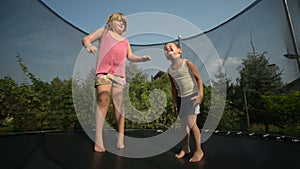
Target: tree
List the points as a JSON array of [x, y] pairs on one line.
[[9, 101], [284, 110], [232, 115], [259, 78], [218, 91], [36, 105]]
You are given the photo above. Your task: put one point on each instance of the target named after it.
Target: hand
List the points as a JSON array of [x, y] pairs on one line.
[[196, 100], [91, 49], [146, 58], [175, 108]]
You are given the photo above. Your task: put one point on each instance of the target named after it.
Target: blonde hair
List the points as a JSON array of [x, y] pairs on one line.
[[116, 16]]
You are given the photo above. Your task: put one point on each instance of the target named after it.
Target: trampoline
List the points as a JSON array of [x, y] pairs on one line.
[[72, 150]]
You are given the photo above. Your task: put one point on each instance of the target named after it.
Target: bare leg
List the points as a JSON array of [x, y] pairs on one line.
[[119, 114], [198, 154], [185, 143], [103, 96], [185, 147]]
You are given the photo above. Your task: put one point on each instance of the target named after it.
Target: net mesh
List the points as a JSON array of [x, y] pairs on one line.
[[50, 46], [264, 23], [48, 42]]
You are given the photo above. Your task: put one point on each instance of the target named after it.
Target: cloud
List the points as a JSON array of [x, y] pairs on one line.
[[232, 61]]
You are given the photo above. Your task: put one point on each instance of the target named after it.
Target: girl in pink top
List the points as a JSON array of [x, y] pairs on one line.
[[114, 48]]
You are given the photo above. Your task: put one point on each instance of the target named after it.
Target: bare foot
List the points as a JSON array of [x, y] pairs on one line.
[[198, 155], [120, 146], [182, 153], [99, 149], [120, 143]]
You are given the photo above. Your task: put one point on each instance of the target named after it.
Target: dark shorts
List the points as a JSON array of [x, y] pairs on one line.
[[185, 105]]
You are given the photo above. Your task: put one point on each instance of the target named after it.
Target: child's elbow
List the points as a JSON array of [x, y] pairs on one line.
[[83, 41]]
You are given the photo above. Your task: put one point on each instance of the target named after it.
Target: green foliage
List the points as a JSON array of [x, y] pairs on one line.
[[259, 78], [149, 105], [84, 95], [36, 105], [233, 119], [283, 110], [61, 104]]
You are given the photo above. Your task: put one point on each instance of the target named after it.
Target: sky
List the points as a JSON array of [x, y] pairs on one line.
[[50, 47], [89, 15], [25, 33], [151, 22]]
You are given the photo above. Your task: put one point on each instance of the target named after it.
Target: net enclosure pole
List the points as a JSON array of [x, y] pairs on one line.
[[292, 31]]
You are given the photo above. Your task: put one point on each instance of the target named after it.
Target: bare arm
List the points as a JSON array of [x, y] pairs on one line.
[[91, 38], [174, 93], [133, 58], [198, 78]]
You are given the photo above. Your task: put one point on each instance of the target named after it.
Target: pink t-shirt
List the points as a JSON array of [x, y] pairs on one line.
[[112, 55]]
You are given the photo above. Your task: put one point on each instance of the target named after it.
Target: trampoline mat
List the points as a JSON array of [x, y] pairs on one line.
[[74, 150]]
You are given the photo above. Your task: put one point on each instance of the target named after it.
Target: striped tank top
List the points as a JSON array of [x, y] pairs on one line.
[[184, 80]]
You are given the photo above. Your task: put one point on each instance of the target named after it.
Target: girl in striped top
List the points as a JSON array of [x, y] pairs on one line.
[[187, 92]]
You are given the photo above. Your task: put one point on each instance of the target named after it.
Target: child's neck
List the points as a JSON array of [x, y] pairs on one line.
[[176, 62], [117, 36]]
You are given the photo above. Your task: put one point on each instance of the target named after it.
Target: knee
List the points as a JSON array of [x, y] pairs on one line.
[[103, 99]]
